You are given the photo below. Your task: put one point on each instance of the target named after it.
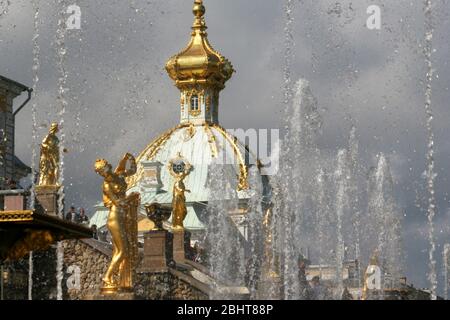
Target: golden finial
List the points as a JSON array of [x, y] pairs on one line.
[[199, 22], [199, 63], [199, 11], [199, 8]]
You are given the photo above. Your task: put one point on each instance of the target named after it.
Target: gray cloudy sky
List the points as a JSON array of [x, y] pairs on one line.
[[120, 96]]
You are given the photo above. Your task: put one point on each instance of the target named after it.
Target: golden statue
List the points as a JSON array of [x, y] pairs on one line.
[[179, 210], [122, 223], [49, 160], [179, 168]]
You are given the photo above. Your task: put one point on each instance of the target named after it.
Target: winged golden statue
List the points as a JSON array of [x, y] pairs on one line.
[[122, 223]]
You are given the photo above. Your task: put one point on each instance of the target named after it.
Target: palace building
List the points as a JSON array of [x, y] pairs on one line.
[[200, 73], [11, 168]]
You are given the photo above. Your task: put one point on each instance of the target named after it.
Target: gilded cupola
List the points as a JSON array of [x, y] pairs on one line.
[[200, 73]]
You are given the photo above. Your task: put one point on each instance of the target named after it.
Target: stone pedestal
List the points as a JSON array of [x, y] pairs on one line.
[[47, 199], [156, 253], [181, 244], [15, 202]]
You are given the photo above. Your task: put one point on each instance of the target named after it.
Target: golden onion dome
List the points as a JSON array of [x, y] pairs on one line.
[[199, 63]]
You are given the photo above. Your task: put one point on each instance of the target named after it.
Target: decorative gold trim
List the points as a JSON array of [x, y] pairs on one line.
[[182, 103], [200, 94], [243, 173], [208, 103], [179, 157], [211, 141], [189, 132], [33, 240], [151, 150], [16, 216], [195, 113]]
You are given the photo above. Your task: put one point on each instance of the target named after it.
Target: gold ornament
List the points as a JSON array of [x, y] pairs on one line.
[[189, 132], [49, 160], [158, 213], [179, 168], [199, 63]]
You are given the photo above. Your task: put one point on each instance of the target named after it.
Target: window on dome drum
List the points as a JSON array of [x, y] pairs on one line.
[[194, 103]]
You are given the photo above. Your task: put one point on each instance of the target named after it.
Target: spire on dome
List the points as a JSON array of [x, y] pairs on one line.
[[199, 63]]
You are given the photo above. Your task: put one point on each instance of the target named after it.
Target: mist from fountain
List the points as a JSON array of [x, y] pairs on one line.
[[223, 241], [62, 103], [430, 174], [342, 202], [324, 220], [256, 240], [384, 224], [354, 195], [293, 221], [319, 210], [446, 269], [34, 141]]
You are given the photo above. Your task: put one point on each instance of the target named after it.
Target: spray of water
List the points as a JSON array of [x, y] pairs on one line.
[[288, 51], [4, 7], [323, 220], [341, 177], [294, 215], [354, 197], [62, 104], [224, 242], [255, 239], [446, 265], [34, 142], [430, 174], [385, 225]]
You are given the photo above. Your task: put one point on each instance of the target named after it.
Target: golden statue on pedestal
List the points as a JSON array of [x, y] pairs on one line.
[[49, 160], [122, 223], [179, 169]]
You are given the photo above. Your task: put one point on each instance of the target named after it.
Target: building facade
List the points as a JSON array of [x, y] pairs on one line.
[[199, 72], [10, 166]]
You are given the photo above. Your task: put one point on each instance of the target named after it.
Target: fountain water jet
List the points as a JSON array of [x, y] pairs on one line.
[[36, 67], [224, 243], [446, 265], [61, 54], [297, 169], [385, 222], [341, 176], [255, 239], [354, 196], [430, 174]]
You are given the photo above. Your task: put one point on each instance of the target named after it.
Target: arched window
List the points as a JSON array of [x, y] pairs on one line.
[[194, 103]]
